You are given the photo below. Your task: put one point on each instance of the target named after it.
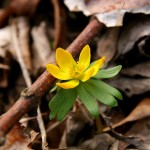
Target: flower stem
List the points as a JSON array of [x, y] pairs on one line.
[[99, 126]]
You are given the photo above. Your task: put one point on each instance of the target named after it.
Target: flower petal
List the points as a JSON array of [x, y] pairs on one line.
[[65, 60], [57, 72], [97, 65], [87, 75], [91, 71], [69, 84], [85, 57]]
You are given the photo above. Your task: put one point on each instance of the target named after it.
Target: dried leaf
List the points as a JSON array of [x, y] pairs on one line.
[[139, 69], [109, 12], [99, 142], [131, 86], [16, 139], [33, 137], [25, 6], [78, 122], [133, 140], [24, 40], [140, 111], [144, 134], [17, 7], [41, 46], [107, 44], [132, 34]]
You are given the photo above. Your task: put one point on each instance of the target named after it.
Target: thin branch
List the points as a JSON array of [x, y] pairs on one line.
[[30, 97], [42, 129], [28, 81]]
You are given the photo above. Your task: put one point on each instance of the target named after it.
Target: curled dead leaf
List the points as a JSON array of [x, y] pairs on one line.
[[140, 111], [109, 12], [136, 131], [133, 33]]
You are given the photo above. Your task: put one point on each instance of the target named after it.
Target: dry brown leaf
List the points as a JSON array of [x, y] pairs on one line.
[[142, 110], [99, 142], [24, 40], [127, 42], [131, 139], [18, 7], [132, 34], [109, 12], [41, 46], [54, 132], [131, 86], [136, 131], [139, 69], [6, 43], [33, 137], [26, 7], [107, 44], [78, 122], [16, 139]]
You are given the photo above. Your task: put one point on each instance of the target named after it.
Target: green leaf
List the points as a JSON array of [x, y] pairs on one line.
[[108, 73], [100, 94], [55, 103], [88, 100], [62, 102], [107, 88], [70, 98]]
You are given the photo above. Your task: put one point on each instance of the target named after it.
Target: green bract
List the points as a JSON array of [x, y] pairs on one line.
[[83, 82], [108, 73], [62, 102]]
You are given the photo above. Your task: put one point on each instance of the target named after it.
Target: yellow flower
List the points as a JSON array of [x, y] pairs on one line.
[[71, 71]]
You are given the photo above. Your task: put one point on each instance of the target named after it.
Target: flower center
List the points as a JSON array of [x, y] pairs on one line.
[[76, 72]]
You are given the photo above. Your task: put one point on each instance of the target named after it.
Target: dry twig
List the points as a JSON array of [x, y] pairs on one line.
[[42, 129], [28, 82]]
